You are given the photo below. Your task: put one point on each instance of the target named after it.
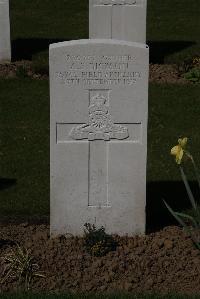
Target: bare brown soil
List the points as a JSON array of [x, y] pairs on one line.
[[166, 73], [165, 261], [161, 73]]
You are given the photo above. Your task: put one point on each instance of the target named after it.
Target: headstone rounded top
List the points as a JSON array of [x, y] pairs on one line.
[[117, 2], [98, 41]]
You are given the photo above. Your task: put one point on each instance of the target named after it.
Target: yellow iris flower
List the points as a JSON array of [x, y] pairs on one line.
[[178, 150]]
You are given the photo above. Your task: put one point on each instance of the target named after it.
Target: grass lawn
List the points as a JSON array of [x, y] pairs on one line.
[[24, 175], [93, 296], [25, 147], [172, 27]]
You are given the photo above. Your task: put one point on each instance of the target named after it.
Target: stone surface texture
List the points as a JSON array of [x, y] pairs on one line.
[[118, 19], [5, 46], [99, 108]]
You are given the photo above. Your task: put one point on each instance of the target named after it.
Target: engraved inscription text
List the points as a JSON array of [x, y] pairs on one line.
[[99, 70]]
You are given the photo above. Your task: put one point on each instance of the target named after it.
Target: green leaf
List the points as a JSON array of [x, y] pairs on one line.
[[196, 171], [187, 217], [175, 216]]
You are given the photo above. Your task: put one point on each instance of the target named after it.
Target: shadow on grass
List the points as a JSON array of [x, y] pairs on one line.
[[174, 194], [160, 49], [157, 215], [6, 183], [24, 49]]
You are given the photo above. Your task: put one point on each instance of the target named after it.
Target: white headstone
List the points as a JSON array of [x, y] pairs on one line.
[[5, 48], [118, 19], [99, 107]]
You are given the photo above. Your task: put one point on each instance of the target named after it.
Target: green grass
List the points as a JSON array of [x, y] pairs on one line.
[[172, 27], [24, 149], [24, 185], [49, 19], [173, 112], [94, 296]]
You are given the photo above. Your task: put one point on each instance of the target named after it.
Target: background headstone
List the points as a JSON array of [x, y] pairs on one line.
[[5, 47], [99, 107], [118, 19]]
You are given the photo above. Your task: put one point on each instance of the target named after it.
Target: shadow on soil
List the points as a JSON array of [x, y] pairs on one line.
[[174, 194], [159, 50], [6, 242], [6, 183], [24, 49]]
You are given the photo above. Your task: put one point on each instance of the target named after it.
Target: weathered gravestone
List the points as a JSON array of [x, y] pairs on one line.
[[99, 103], [5, 48], [118, 19]]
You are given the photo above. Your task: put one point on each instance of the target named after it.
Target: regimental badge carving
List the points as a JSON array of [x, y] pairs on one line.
[[100, 125]]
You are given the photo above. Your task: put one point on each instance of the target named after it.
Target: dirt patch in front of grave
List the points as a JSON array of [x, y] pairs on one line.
[[161, 262], [166, 73], [160, 73]]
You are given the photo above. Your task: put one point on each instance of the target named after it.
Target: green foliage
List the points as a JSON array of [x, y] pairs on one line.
[[20, 265], [192, 213], [97, 241], [22, 71], [193, 75], [40, 64], [185, 65], [196, 61], [190, 69]]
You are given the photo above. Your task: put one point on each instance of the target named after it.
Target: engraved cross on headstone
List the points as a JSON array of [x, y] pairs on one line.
[[98, 132]]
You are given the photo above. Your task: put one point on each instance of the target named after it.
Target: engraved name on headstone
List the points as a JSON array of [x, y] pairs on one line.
[[118, 19], [5, 47], [99, 106]]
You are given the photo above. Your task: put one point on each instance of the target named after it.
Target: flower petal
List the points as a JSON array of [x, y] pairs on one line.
[[175, 150], [182, 141], [179, 156]]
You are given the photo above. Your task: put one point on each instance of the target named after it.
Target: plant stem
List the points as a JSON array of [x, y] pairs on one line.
[[188, 189], [198, 180]]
